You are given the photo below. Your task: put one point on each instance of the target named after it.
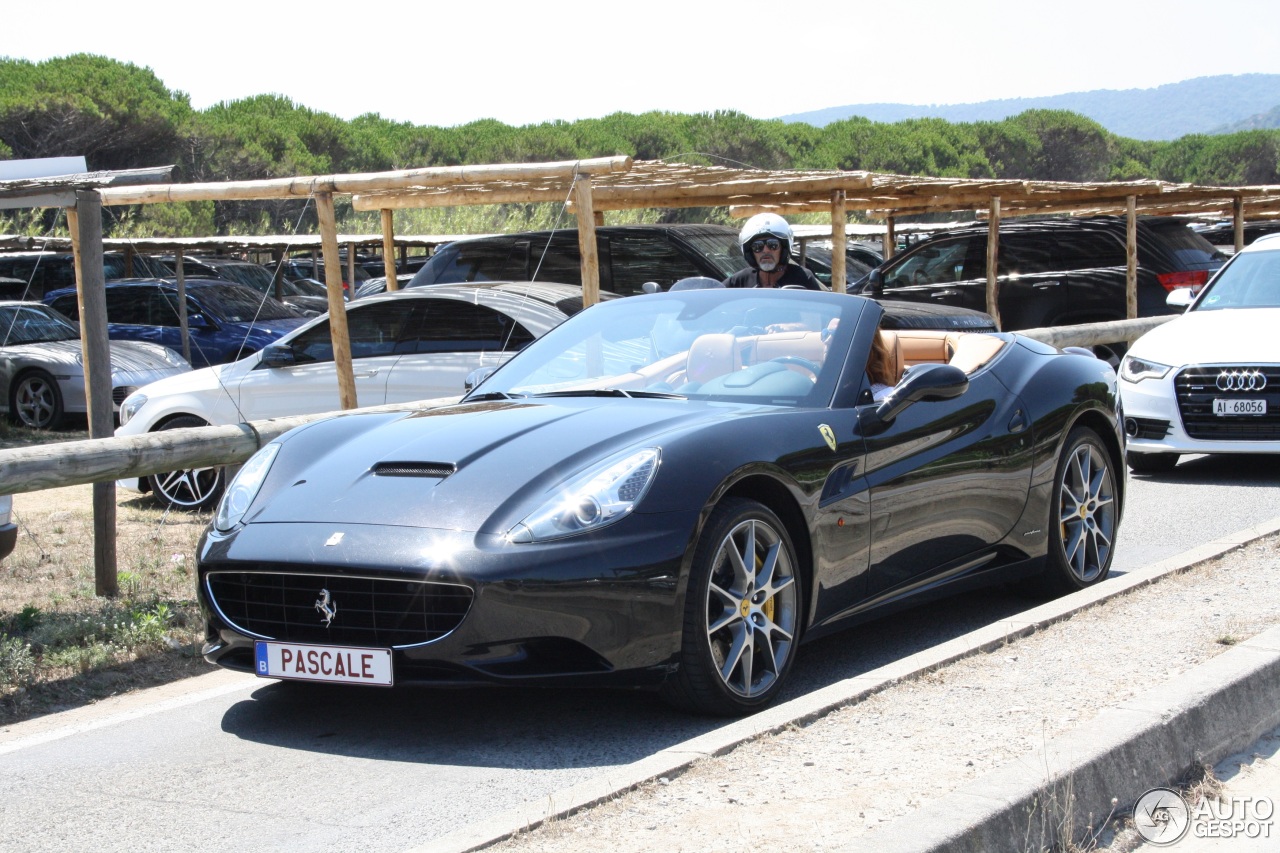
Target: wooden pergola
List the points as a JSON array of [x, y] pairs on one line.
[[589, 187]]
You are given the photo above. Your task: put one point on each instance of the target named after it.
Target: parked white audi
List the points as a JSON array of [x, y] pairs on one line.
[[1209, 381], [415, 344]]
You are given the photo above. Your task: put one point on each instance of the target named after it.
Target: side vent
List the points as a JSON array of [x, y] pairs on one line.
[[438, 470]]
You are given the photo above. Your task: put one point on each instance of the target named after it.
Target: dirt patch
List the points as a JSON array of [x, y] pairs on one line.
[[62, 645]]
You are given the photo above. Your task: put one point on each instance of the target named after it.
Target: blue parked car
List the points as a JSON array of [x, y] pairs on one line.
[[225, 321]]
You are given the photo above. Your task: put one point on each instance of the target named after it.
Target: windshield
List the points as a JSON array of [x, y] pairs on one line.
[[26, 324], [769, 347], [239, 304], [1251, 280]]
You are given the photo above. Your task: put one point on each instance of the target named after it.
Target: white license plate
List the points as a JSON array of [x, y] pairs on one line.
[[341, 664], [1239, 406]]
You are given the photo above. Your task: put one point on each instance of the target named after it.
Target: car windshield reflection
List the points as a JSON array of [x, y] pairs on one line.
[[1251, 281], [770, 347]]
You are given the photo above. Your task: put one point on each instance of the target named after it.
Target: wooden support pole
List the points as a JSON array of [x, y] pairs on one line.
[[838, 242], [351, 270], [182, 306], [1131, 259], [389, 249], [890, 243], [277, 273], [1237, 216], [337, 306], [85, 224], [587, 241], [993, 261]]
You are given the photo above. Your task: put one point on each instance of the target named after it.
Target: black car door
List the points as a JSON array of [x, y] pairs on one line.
[[947, 481], [950, 271]]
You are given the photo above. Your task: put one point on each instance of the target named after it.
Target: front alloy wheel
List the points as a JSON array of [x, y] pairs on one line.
[[1083, 533], [35, 401], [742, 613], [190, 488]]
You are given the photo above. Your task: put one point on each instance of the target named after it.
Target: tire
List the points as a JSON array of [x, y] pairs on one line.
[[190, 489], [741, 614], [1151, 463], [35, 401], [1083, 515]]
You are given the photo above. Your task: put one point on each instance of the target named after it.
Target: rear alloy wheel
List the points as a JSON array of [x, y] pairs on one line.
[[1151, 463], [191, 488], [35, 401], [1082, 535], [742, 613]]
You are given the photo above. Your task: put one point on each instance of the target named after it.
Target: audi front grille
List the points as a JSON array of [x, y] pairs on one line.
[[1198, 386], [377, 612]]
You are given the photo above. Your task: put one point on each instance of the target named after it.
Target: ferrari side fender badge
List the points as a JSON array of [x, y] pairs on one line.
[[829, 435]]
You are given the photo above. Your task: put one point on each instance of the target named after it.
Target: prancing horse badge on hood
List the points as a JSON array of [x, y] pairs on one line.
[[829, 435]]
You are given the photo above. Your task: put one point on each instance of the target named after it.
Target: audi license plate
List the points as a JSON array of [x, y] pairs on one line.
[[1236, 406], [342, 664]]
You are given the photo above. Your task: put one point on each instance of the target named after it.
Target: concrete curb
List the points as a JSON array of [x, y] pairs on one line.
[[1207, 714], [676, 759]]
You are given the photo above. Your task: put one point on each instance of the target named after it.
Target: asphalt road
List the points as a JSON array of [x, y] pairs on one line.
[[268, 766]]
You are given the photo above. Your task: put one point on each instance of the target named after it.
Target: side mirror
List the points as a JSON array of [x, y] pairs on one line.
[[278, 355], [1180, 297], [199, 321], [651, 287], [875, 283], [476, 376], [925, 383]]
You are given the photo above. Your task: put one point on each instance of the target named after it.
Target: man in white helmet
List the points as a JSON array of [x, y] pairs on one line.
[[766, 244]]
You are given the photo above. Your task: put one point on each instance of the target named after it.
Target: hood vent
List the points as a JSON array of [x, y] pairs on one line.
[[438, 470]]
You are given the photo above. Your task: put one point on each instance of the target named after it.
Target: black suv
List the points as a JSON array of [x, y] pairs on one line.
[[630, 255], [1052, 272]]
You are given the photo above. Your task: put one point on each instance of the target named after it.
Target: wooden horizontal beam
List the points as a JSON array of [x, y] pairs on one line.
[[304, 187]]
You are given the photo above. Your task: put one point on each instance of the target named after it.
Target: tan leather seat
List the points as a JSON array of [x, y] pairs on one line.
[[893, 344], [712, 356]]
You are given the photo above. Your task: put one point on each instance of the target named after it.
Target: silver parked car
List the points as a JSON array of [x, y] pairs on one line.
[[42, 367]]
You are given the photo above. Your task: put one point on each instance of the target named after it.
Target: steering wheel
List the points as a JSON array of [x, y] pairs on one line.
[[811, 366], [921, 277]]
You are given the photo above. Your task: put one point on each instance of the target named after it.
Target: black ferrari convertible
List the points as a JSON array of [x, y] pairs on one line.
[[672, 490]]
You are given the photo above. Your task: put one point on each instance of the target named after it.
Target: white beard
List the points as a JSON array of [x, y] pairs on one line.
[[768, 266]]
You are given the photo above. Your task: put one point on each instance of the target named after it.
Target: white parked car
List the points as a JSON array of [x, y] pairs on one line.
[[410, 345], [1209, 381]]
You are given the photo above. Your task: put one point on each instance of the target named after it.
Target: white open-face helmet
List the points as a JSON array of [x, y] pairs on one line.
[[764, 225]]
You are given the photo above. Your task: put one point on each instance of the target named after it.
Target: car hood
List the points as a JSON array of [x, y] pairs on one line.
[[493, 462], [128, 357], [1225, 335]]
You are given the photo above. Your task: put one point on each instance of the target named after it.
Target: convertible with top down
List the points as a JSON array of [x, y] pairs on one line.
[[671, 491]]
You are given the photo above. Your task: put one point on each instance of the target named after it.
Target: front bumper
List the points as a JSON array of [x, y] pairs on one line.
[[1154, 422], [604, 609]]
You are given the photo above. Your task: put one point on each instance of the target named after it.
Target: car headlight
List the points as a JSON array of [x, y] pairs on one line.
[[175, 358], [244, 488], [594, 498], [130, 407], [1137, 369]]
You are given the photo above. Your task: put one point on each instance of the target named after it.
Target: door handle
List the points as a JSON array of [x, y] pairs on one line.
[[1018, 422], [367, 373]]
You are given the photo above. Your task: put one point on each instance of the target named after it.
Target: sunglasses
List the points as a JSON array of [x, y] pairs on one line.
[[761, 245]]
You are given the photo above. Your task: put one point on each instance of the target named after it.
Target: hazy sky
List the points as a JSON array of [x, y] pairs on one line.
[[454, 62]]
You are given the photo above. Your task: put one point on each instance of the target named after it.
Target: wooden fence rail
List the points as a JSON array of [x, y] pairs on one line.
[[71, 463]]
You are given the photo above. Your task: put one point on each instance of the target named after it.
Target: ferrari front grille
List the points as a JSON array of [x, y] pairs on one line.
[[337, 609], [1198, 386]]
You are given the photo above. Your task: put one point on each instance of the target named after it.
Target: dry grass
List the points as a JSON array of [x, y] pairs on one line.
[[60, 644]]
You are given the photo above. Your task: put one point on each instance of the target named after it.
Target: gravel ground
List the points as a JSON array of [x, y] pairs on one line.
[[833, 784]]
